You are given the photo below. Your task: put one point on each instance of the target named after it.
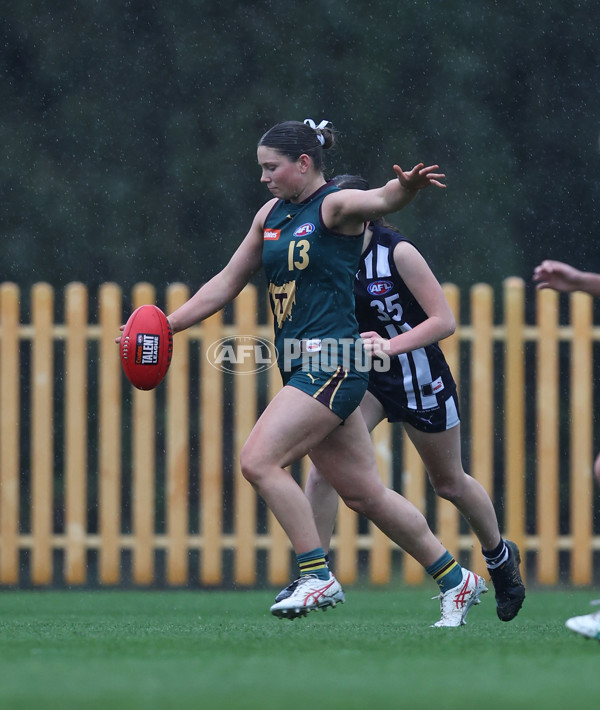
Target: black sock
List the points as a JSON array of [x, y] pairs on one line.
[[496, 557]]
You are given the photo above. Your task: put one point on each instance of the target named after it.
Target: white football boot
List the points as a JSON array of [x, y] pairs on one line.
[[309, 593], [588, 625], [456, 602]]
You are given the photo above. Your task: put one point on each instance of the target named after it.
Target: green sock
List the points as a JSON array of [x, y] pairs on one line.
[[313, 562], [446, 572]]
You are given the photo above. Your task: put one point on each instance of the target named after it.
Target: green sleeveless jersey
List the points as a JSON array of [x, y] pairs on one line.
[[310, 270]]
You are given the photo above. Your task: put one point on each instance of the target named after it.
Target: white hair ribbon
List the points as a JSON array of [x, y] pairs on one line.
[[313, 125]]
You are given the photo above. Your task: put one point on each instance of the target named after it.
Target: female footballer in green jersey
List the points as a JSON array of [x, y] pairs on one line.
[[308, 237]]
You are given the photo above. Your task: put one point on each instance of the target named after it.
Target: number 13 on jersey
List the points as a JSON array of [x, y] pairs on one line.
[[298, 254]]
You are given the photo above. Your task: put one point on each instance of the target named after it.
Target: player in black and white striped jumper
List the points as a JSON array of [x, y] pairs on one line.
[[402, 313]]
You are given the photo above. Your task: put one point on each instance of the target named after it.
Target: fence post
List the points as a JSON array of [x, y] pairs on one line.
[[548, 436], [110, 398], [581, 406], [413, 484], [448, 518], [514, 411], [76, 402], [42, 436], [144, 466], [211, 456], [381, 547], [245, 413], [178, 453], [10, 435], [482, 398]]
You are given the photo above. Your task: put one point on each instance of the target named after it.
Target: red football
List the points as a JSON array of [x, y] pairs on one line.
[[146, 347]]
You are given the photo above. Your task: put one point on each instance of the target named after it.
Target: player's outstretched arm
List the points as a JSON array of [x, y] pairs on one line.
[[396, 194], [342, 210], [563, 277]]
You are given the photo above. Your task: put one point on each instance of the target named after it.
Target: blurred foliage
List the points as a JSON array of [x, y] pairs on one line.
[[129, 128]]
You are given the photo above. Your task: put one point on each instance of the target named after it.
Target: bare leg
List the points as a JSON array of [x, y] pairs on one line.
[[323, 500], [347, 460], [441, 454], [322, 495], [290, 426]]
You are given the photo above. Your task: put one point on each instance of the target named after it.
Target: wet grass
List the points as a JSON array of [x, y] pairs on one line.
[[187, 649]]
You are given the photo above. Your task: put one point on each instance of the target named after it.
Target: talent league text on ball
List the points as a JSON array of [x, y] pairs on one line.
[[146, 349]]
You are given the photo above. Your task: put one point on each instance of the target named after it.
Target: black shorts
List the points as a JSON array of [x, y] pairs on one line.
[[441, 417]]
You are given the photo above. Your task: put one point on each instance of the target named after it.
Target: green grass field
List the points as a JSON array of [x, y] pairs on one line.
[[116, 650]]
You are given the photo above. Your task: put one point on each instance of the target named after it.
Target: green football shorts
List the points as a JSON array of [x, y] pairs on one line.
[[341, 390]]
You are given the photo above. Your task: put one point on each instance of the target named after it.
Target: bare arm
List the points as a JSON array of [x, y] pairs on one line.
[[440, 322], [227, 284], [347, 210], [562, 277]]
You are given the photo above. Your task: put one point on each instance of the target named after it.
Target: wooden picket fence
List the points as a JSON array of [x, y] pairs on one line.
[[102, 484]]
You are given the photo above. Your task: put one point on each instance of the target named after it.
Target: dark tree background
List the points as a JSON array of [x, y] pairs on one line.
[[129, 128]]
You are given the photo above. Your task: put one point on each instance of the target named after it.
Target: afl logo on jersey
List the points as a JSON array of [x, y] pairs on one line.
[[304, 229], [380, 288]]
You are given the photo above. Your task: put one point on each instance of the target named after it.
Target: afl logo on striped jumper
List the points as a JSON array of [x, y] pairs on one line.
[[380, 288]]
